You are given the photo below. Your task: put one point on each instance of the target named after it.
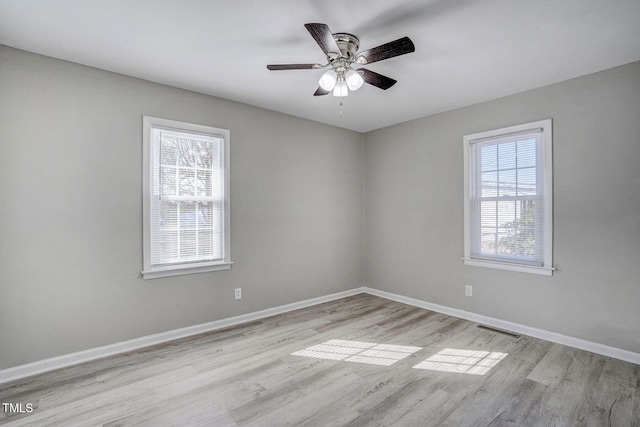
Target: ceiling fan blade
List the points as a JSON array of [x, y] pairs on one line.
[[320, 92], [386, 51], [322, 35], [277, 67], [377, 80]]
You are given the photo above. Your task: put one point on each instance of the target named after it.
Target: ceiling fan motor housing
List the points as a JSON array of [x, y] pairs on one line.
[[348, 44]]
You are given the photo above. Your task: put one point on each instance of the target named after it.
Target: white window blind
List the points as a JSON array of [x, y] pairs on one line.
[[508, 220], [186, 207], [187, 204]]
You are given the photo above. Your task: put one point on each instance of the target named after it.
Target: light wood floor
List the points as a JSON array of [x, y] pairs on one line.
[[248, 376]]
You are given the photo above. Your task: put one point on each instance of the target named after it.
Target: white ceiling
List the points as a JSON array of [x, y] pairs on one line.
[[467, 51]]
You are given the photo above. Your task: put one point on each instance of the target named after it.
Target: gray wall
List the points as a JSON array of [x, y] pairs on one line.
[[414, 210], [71, 210]]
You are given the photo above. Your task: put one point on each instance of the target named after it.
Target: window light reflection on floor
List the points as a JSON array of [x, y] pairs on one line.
[[359, 352], [462, 361]]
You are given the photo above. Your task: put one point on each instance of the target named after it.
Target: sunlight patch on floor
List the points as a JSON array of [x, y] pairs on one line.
[[359, 352], [462, 361]]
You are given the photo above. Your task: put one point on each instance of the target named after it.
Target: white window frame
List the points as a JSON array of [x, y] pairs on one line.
[[547, 197], [150, 271]]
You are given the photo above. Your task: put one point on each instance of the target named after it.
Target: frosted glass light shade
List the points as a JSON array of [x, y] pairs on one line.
[[354, 80], [341, 89], [328, 80]]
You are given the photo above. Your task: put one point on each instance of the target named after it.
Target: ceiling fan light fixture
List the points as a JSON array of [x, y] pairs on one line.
[[328, 80], [354, 80], [341, 88]]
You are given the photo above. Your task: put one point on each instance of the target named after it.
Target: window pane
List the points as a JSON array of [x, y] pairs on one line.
[[489, 156], [205, 244], [169, 180], [165, 249], [203, 183], [526, 242], [215, 216], [203, 154], [489, 184], [488, 240], [505, 242], [507, 183], [188, 245], [168, 151], [527, 182], [188, 217], [488, 214], [517, 221], [507, 155], [526, 153], [186, 153], [507, 214], [168, 215], [187, 182]]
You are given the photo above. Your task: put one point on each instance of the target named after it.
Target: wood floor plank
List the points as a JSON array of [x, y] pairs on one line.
[[432, 370], [610, 399], [552, 367]]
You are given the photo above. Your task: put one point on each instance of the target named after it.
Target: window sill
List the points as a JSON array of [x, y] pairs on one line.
[[185, 269], [545, 271]]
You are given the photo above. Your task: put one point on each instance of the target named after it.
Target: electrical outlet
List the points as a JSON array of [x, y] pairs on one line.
[[468, 290], [238, 293]]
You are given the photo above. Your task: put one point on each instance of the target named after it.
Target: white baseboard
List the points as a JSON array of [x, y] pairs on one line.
[[604, 350], [27, 370]]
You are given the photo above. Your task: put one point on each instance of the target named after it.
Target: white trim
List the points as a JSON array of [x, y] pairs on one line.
[[604, 350], [46, 365], [192, 269], [509, 266], [66, 360]]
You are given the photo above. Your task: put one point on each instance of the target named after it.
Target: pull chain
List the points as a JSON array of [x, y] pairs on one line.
[[341, 107]]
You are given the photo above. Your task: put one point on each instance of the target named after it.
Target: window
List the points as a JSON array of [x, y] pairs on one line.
[[508, 198], [186, 198]]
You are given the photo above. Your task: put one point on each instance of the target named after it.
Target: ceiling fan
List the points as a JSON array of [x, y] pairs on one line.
[[342, 53]]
